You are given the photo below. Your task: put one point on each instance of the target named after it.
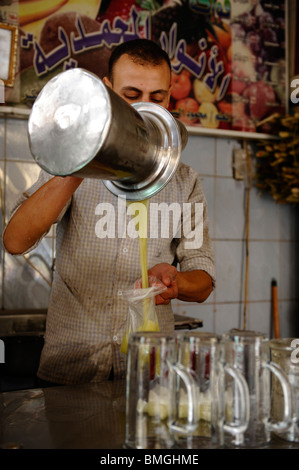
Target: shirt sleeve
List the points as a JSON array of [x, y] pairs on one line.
[[43, 178], [194, 249]]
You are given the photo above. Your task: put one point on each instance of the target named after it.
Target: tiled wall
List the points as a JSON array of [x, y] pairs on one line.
[[273, 241], [273, 247]]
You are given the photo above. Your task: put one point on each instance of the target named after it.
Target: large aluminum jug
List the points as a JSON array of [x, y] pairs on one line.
[[80, 127]]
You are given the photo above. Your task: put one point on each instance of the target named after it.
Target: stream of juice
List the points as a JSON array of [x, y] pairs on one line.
[[147, 323]]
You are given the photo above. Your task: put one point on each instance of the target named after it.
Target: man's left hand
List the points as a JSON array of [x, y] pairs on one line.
[[167, 274]]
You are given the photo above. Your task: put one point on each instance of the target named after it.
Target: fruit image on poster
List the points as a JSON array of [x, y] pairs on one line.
[[228, 62], [228, 56], [45, 29]]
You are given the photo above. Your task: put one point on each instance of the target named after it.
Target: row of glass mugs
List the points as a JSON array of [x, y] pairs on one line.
[[199, 390]]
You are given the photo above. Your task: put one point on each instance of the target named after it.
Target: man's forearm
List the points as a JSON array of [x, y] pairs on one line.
[[37, 213], [194, 286]]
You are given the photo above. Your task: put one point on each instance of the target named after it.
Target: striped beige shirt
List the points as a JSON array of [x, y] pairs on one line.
[[87, 312]]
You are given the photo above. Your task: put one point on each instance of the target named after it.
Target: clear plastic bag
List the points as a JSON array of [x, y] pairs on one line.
[[142, 314]]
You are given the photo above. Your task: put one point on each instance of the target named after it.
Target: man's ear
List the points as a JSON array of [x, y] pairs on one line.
[[169, 94], [107, 82]]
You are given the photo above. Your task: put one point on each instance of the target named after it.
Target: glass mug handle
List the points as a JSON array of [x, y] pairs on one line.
[[286, 422], [237, 429], [193, 399]]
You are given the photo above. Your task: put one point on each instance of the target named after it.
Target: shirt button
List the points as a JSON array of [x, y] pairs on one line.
[[125, 250], [115, 338], [119, 292]]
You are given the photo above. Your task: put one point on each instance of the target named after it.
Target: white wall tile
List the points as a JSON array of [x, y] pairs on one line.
[[19, 176], [259, 317], [224, 156], [264, 265], [229, 271], [229, 209], [17, 146], [264, 217], [227, 317], [207, 315], [199, 153]]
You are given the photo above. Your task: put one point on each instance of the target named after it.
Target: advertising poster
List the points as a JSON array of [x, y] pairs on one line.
[[228, 56]]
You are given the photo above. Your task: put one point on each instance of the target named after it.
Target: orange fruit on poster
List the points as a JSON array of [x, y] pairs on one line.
[[187, 109], [229, 53], [180, 85]]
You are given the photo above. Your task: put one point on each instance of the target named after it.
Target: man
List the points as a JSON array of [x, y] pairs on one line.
[[87, 311]]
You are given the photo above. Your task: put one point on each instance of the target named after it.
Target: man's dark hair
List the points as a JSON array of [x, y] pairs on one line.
[[141, 51]]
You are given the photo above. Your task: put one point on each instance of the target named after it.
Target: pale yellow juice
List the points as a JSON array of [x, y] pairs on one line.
[[147, 324]]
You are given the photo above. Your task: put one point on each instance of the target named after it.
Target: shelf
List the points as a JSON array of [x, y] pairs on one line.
[[23, 113]]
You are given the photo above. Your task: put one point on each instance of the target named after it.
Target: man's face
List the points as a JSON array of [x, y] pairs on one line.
[[136, 83]]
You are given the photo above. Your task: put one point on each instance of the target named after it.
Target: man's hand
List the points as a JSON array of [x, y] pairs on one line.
[[167, 274], [190, 286]]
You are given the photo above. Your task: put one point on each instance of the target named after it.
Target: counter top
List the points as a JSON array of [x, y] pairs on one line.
[[88, 416], [64, 417]]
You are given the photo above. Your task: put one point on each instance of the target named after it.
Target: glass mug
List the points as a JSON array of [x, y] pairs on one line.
[[283, 353], [153, 384], [200, 354], [249, 352]]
